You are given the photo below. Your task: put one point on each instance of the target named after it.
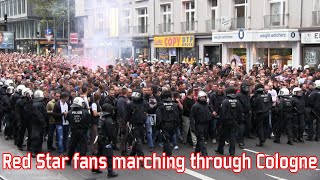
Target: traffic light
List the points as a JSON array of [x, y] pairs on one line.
[[5, 18]]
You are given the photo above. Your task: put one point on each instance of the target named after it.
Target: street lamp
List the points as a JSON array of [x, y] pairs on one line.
[[69, 47]]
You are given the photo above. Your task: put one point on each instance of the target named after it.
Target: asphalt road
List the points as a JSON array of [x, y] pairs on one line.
[[298, 149]]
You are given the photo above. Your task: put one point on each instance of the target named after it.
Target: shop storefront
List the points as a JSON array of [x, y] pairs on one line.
[[310, 48], [176, 48], [266, 47], [141, 48]]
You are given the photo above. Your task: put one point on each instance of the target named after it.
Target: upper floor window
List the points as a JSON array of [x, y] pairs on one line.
[[166, 17], [277, 12], [241, 8], [126, 21], [142, 20], [190, 15]]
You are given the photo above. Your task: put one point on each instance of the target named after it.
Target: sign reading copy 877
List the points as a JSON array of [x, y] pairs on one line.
[[174, 41]]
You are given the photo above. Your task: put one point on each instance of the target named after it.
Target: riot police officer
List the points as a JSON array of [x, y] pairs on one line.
[[79, 119], [137, 114], [245, 121], [3, 93], [13, 100], [200, 117], [231, 115], [314, 103], [298, 114], [7, 120], [24, 113], [106, 133], [38, 123], [261, 104], [167, 120], [284, 120]]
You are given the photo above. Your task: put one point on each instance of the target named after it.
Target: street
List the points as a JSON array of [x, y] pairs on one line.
[[298, 149]]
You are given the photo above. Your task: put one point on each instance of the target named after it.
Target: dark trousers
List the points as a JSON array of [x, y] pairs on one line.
[[298, 126], [262, 122], [15, 131], [138, 135], [123, 134], [8, 125], [167, 134], [311, 126], [228, 132], [51, 130], [241, 131], [248, 124], [284, 125], [79, 141], [201, 133], [22, 130], [105, 149], [36, 138]]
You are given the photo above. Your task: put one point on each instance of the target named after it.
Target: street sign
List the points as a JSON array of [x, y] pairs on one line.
[[48, 32], [49, 37], [74, 38]]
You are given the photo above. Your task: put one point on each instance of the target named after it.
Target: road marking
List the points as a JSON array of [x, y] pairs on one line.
[[82, 175], [197, 175], [254, 151], [275, 177], [317, 169]]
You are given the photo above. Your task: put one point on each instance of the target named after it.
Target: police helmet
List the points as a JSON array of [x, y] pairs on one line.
[[20, 88], [317, 84], [296, 90], [299, 67], [10, 90], [202, 96], [319, 66], [230, 90], [285, 67], [1, 84], [38, 94], [289, 65], [259, 88], [107, 109], [219, 64], [284, 92], [165, 95], [136, 95], [245, 87], [77, 102], [274, 66], [306, 67], [26, 92], [8, 83]]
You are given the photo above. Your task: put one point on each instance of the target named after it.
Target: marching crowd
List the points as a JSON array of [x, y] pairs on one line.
[[122, 106]]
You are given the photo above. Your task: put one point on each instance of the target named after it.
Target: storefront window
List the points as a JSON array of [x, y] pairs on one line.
[[189, 55], [142, 53], [238, 56], [311, 56], [163, 54], [280, 56]]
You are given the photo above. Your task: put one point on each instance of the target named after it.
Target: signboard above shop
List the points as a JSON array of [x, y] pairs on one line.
[[174, 41], [256, 36], [310, 38]]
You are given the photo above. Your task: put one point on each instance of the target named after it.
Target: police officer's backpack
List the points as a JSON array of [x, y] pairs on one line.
[[170, 114]]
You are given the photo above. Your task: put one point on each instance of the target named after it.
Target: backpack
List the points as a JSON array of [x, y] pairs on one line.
[[170, 113], [139, 115]]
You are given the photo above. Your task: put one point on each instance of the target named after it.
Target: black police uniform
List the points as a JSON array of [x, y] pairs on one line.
[[106, 133], [167, 122], [79, 119], [284, 120], [298, 118], [24, 114], [314, 103], [215, 105], [38, 124], [7, 120], [231, 114], [261, 104], [200, 117], [13, 100], [137, 114], [245, 121]]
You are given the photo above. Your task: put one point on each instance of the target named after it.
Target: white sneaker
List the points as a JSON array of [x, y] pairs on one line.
[[272, 135], [226, 143], [214, 141], [176, 148], [194, 147]]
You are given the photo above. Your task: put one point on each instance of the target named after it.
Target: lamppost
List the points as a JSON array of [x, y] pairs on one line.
[[69, 47]]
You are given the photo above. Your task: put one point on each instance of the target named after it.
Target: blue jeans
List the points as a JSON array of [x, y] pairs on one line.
[[62, 134], [149, 127]]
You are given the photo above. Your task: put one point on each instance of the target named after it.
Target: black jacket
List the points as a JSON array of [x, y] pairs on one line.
[[41, 113], [79, 118], [299, 106], [137, 112], [187, 105], [121, 107], [106, 129], [231, 111], [314, 101], [200, 115], [245, 102], [57, 114], [215, 103]]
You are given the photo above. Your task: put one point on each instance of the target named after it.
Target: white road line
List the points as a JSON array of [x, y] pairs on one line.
[[254, 151], [197, 175], [317, 169], [275, 177], [82, 175]]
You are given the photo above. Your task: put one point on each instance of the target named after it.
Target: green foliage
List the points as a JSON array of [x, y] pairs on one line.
[[47, 9]]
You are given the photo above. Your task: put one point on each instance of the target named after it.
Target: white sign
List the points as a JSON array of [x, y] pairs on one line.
[[310, 38], [225, 22], [74, 38], [256, 36], [311, 57]]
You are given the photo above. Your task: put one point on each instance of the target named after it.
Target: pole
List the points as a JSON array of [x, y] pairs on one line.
[[55, 35], [69, 47]]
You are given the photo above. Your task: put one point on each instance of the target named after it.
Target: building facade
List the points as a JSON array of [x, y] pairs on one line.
[[240, 31]]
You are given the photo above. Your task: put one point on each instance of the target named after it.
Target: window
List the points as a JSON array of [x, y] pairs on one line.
[[277, 13], [240, 13], [7, 8], [100, 22], [11, 8], [316, 13], [14, 7], [316, 5], [166, 18], [190, 16], [23, 6], [126, 21], [214, 7], [142, 20], [19, 6]]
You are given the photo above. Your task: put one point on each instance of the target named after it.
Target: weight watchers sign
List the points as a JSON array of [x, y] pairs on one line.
[[256, 36]]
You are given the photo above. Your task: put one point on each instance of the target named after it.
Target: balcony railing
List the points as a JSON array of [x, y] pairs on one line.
[[165, 28], [188, 27], [238, 23], [278, 20], [125, 30], [142, 29], [213, 24], [315, 18]]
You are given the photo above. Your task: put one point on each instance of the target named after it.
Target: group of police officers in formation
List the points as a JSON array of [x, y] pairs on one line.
[[22, 110]]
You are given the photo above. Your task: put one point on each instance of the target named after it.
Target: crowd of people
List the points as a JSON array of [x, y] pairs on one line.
[[122, 106]]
